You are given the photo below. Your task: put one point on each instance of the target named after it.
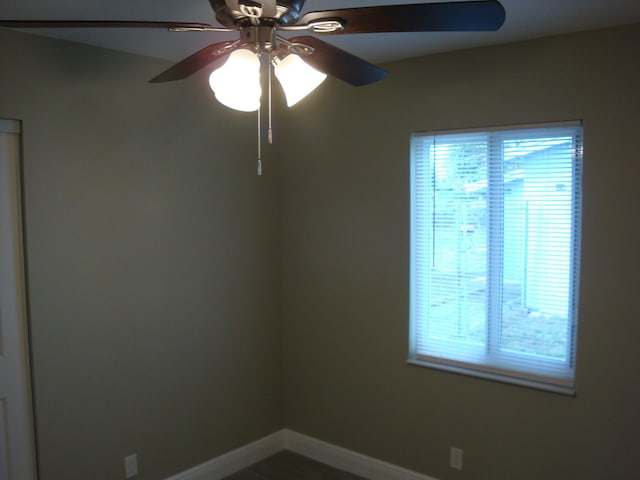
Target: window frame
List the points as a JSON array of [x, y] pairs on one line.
[[488, 361]]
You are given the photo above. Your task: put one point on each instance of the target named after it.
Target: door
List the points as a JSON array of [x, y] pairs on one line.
[[17, 453]]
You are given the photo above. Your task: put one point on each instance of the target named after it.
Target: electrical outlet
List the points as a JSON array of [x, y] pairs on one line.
[[131, 466], [455, 458]]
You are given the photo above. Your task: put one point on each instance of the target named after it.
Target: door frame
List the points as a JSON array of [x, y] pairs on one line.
[[19, 451]]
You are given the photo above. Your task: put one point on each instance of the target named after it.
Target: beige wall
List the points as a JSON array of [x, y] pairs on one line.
[[152, 252], [345, 214]]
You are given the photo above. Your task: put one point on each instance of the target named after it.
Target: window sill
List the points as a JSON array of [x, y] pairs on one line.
[[496, 377]]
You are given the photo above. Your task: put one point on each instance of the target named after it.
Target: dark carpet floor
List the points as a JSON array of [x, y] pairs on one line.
[[291, 466]]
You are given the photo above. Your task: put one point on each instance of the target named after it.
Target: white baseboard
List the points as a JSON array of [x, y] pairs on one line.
[[338, 457], [234, 461], [350, 461]]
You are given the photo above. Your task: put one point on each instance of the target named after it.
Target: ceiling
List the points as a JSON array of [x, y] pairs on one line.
[[525, 19]]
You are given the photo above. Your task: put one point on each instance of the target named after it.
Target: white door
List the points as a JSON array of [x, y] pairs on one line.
[[17, 454]]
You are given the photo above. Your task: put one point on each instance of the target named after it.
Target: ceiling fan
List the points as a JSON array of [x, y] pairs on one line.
[[300, 63]]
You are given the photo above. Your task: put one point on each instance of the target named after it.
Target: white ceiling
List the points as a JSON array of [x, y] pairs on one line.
[[525, 19]]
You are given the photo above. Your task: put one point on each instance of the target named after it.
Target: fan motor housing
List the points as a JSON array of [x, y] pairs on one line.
[[288, 11], [262, 38]]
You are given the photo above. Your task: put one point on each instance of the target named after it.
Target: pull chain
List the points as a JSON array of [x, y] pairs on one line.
[[270, 130], [269, 108], [259, 144]]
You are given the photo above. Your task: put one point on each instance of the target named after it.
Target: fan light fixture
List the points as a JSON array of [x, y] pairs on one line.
[[298, 79], [236, 84]]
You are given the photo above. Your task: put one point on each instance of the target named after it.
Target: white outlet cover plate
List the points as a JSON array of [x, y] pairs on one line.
[[456, 458], [131, 465]]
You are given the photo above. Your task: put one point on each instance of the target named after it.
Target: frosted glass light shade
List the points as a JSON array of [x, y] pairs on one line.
[[298, 79], [236, 84]]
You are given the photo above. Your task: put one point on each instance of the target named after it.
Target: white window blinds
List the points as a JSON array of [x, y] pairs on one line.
[[495, 228]]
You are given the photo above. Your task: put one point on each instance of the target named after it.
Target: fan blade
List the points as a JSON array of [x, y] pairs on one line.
[[343, 65], [215, 55], [179, 26], [485, 15]]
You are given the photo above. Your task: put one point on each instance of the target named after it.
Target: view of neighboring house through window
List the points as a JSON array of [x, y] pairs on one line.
[[495, 228]]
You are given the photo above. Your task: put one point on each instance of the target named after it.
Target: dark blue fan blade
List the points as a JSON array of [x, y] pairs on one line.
[[485, 15], [340, 64], [214, 55]]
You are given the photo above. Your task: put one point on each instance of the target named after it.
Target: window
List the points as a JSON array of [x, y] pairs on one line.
[[495, 229]]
